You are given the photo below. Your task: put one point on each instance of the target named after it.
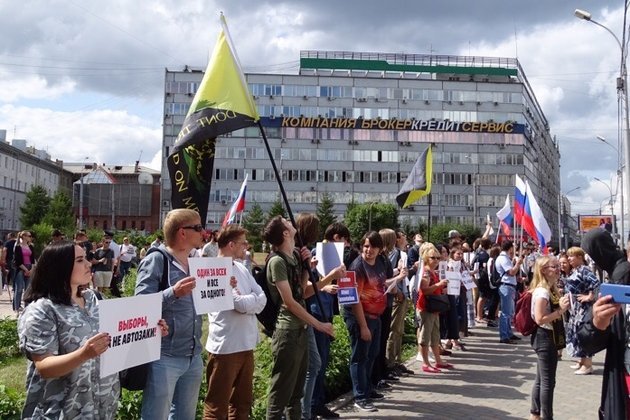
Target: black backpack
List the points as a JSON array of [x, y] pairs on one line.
[[269, 315], [135, 378], [495, 276]]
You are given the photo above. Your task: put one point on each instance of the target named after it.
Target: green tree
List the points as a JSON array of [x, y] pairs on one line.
[[277, 209], [35, 207], [59, 213], [325, 213], [42, 235], [254, 222], [371, 216], [439, 232]]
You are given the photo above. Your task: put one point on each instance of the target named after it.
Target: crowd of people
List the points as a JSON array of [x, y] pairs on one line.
[[391, 276]]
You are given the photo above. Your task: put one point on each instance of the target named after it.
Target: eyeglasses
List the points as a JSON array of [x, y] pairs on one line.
[[554, 267], [434, 258], [108, 242], [196, 228]]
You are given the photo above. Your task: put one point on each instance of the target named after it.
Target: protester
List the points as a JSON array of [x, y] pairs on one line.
[[288, 284], [23, 261], [103, 266], [455, 319], [430, 332], [581, 284], [547, 309], [232, 337], [9, 247], [58, 334], [373, 272], [157, 242], [211, 249], [336, 232], [480, 262], [393, 351], [607, 328], [127, 256], [507, 290], [174, 379]]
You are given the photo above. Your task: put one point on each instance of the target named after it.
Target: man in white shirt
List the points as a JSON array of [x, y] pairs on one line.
[[127, 254], [507, 290], [232, 336]]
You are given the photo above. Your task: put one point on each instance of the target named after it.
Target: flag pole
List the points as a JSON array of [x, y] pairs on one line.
[[300, 242], [429, 220]]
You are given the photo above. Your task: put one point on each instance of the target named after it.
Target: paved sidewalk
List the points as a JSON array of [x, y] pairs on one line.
[[490, 381], [5, 305]]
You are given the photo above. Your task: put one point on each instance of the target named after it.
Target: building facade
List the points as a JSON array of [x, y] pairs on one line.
[[351, 125], [116, 197], [22, 168]]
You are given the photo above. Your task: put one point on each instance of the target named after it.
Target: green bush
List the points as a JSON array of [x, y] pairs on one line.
[[11, 403], [9, 340]]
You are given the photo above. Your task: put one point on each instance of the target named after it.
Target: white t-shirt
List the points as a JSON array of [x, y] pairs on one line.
[[540, 295]]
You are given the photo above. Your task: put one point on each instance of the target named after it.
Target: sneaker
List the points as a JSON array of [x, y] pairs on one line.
[[391, 376], [376, 395], [577, 365], [584, 371], [492, 324], [383, 385], [506, 341], [324, 412], [404, 369], [516, 338], [364, 405], [419, 357]]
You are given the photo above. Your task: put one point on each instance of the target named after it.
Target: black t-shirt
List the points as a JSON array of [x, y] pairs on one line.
[[104, 253], [10, 247]]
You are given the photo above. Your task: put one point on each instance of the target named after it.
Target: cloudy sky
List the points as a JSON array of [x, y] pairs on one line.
[[85, 79]]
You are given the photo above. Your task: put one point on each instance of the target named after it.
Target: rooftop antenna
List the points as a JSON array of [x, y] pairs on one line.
[[515, 41], [140, 157]]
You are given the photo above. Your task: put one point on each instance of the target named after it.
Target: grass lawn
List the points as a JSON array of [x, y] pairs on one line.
[[13, 373]]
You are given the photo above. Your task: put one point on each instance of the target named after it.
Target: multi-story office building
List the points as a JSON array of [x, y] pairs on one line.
[[22, 168], [353, 124]]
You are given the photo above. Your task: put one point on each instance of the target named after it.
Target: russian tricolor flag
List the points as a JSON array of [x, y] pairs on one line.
[[519, 199], [541, 231], [505, 217], [238, 206]]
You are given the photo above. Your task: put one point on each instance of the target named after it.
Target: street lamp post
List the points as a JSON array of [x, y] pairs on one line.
[[622, 84], [620, 175], [614, 228]]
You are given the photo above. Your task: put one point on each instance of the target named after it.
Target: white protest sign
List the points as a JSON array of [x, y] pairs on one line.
[[132, 324], [454, 282], [442, 266], [468, 281], [329, 256], [213, 292]]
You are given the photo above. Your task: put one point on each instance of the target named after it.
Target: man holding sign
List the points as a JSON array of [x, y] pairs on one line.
[[173, 380], [232, 336]]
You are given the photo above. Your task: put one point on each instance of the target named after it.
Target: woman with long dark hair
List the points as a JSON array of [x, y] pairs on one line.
[[59, 335], [23, 259]]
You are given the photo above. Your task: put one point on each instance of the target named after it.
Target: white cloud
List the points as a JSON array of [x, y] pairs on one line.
[[32, 87], [106, 136]]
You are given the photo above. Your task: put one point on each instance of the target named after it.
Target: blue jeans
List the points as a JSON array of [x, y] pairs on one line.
[[507, 295], [20, 284], [323, 348], [542, 391], [314, 366], [123, 269], [172, 388], [363, 355]]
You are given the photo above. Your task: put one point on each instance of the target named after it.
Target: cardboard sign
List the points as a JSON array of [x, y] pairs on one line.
[[329, 256], [454, 282], [132, 323], [468, 281], [347, 293], [213, 292]]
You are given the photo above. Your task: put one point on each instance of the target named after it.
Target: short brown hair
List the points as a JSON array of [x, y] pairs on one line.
[[229, 234], [307, 225], [274, 231], [576, 251]]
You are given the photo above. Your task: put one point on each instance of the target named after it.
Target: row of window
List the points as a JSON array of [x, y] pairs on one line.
[[25, 168], [264, 89], [345, 155], [371, 177], [181, 108]]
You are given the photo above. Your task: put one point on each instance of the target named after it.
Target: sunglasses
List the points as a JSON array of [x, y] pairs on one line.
[[196, 228], [434, 258]]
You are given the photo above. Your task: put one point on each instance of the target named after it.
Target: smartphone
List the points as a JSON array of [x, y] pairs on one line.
[[619, 292]]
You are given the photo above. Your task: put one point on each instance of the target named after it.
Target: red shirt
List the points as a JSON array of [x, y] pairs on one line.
[[433, 279]]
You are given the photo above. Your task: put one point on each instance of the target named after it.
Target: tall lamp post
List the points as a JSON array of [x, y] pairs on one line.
[[560, 213], [622, 85], [620, 175], [614, 229]]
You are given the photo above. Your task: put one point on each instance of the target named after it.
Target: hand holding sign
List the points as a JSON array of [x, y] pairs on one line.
[[96, 345]]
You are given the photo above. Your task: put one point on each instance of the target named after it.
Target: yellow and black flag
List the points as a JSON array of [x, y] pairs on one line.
[[222, 104], [418, 183]]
